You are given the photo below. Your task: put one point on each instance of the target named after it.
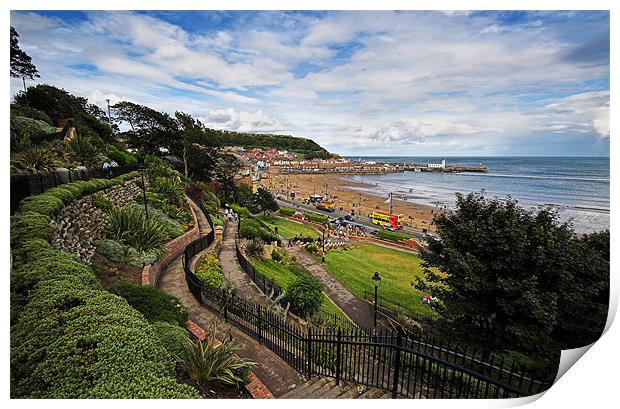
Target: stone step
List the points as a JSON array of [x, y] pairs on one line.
[[298, 388], [322, 391], [372, 393], [305, 388]]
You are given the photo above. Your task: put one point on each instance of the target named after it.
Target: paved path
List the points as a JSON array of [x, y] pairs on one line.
[[274, 372], [359, 311], [241, 282]]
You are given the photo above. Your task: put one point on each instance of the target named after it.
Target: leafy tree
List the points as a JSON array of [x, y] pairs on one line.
[[21, 63], [305, 295], [261, 201], [497, 271], [153, 132], [227, 168], [583, 301]]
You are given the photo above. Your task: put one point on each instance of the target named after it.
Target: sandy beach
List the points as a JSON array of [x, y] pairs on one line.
[[353, 196]]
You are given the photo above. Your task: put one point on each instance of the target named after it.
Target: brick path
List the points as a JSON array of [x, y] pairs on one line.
[[241, 282], [276, 374]]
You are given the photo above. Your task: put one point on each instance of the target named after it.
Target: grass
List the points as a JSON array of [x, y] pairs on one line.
[[354, 269], [284, 276], [288, 228]]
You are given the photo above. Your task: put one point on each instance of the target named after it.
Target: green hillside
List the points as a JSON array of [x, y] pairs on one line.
[[307, 147]]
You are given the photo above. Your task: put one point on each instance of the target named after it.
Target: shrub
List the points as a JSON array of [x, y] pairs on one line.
[[32, 249], [120, 253], [131, 227], [208, 364], [312, 248], [392, 236], [243, 211], [172, 337], [286, 211], [101, 202], [316, 217], [63, 194], [305, 295], [276, 255], [153, 303], [251, 229], [172, 189], [46, 204], [76, 342], [210, 271], [30, 225], [36, 159], [255, 249], [173, 227], [210, 202]]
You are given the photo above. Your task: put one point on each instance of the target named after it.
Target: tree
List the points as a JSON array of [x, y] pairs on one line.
[[21, 63], [227, 167], [496, 271], [196, 148], [583, 301], [261, 201]]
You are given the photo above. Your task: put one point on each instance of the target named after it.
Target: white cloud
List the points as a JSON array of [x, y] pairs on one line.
[[241, 121]]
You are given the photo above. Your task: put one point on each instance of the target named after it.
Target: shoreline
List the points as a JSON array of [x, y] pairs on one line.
[[355, 197]]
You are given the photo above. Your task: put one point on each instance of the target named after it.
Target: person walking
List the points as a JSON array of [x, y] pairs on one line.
[[106, 170], [113, 167]]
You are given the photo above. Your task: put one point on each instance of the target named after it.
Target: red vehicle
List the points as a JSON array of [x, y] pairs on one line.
[[387, 220]]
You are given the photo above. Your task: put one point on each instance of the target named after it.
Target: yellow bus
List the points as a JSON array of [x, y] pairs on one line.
[[387, 220], [326, 206]]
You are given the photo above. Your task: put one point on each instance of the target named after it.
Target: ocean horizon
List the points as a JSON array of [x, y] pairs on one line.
[[577, 187]]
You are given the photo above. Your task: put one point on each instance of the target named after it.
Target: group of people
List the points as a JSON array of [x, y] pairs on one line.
[[109, 168], [230, 215], [348, 230]]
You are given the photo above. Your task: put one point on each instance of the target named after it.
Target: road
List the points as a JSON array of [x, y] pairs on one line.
[[363, 220]]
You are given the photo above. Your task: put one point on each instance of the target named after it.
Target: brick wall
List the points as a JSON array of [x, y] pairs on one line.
[[172, 250]]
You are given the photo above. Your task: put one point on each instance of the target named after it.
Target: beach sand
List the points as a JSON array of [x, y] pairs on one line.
[[417, 216]]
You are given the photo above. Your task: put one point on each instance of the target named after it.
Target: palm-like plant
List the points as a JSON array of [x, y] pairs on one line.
[[255, 249], [131, 227], [36, 159], [208, 364]]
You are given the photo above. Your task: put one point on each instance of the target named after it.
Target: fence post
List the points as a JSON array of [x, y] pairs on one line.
[[399, 339], [309, 352], [260, 324], [338, 347]]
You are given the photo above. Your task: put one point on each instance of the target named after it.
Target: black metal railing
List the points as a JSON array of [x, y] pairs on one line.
[[23, 186], [384, 359]]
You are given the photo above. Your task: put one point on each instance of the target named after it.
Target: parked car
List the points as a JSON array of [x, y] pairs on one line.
[[374, 233], [349, 217]]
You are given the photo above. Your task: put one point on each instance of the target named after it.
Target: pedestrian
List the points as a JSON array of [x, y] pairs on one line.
[[113, 166], [106, 170]]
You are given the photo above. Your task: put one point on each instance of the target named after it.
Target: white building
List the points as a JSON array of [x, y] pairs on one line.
[[441, 165]]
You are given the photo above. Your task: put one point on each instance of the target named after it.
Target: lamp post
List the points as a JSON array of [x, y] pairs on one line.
[[323, 255], [376, 281], [141, 168]]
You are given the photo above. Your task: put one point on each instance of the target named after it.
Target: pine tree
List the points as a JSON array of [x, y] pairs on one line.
[[21, 63]]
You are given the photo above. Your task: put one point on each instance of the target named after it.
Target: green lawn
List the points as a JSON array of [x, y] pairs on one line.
[[354, 269], [283, 276], [288, 228]]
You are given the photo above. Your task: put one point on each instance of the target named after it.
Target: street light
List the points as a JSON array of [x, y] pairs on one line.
[[376, 281], [323, 256], [141, 168]]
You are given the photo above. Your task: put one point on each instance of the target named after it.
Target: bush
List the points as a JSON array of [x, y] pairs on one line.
[[286, 211], [131, 227], [172, 337], [36, 159], [102, 203], [392, 236], [45, 203], [312, 248], [66, 195], [123, 254], [243, 211], [207, 364], [210, 271], [276, 255], [30, 225], [153, 303], [30, 250], [76, 342], [305, 295], [251, 229], [316, 218], [255, 249]]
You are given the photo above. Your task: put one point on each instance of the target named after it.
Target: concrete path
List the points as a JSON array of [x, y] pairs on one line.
[[241, 282], [359, 311]]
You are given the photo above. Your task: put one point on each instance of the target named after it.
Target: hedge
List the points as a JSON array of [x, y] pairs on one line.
[[251, 229], [152, 302], [392, 236], [316, 218], [287, 211], [172, 337], [69, 337], [210, 271]]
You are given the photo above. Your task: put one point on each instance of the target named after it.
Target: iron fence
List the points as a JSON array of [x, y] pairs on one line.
[[384, 359]]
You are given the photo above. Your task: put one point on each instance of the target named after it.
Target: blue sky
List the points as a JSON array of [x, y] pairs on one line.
[[374, 83]]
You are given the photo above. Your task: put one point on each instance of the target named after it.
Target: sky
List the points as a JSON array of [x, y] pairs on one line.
[[419, 83]]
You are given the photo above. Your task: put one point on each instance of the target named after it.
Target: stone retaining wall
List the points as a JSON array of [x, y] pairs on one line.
[[80, 224], [172, 250]]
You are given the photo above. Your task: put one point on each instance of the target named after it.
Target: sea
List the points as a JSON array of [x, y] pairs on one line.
[[576, 187]]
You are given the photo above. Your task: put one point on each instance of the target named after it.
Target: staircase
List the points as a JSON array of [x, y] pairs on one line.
[[323, 388]]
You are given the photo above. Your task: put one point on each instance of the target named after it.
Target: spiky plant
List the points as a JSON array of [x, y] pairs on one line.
[[131, 227], [36, 159], [255, 249]]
